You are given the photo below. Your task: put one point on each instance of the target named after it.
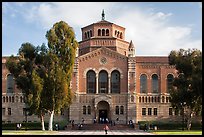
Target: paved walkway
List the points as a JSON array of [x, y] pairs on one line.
[[101, 132]]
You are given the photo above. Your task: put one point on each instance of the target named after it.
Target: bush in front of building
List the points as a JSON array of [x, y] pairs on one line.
[[170, 125], [24, 126]]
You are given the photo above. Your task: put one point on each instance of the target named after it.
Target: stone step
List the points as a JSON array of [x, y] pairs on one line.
[[97, 126]]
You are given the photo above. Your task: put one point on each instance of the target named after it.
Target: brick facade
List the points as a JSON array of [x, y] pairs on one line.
[[103, 48]]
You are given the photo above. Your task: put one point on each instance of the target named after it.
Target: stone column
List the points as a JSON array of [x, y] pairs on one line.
[[109, 84], [96, 84]]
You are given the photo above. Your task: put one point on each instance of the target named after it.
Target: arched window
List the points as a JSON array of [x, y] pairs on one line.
[[115, 82], [143, 83], [10, 83], [103, 32], [155, 84], [140, 99], [115, 32], [85, 35], [99, 32], [90, 33], [91, 81], [121, 35], [103, 82], [118, 34], [170, 79], [107, 32]]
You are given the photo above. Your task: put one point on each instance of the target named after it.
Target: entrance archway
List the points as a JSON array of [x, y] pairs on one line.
[[103, 111]]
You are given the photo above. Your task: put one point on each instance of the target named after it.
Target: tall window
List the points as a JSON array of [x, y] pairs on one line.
[[89, 110], [115, 82], [90, 33], [9, 111], [143, 111], [117, 110], [103, 82], [143, 83], [10, 83], [155, 111], [170, 79], [121, 110], [91, 81], [170, 111], [107, 32], [149, 111], [99, 32], [84, 110], [155, 84], [103, 32]]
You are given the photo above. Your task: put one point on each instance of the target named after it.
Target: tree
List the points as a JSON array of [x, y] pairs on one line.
[[25, 70], [188, 84], [62, 49]]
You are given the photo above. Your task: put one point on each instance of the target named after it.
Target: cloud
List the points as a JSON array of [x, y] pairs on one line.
[[150, 31]]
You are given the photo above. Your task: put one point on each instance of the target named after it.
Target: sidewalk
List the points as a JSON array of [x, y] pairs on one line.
[[101, 132]]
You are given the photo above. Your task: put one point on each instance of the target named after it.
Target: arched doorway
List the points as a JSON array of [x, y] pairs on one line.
[[103, 111]]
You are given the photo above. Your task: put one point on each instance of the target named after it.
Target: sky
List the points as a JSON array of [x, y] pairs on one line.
[[155, 28]]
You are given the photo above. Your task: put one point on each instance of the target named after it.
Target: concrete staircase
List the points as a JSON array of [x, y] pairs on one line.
[[98, 126]]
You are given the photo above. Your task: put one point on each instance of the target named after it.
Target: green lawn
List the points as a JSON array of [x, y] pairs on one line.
[[30, 132], [177, 132]]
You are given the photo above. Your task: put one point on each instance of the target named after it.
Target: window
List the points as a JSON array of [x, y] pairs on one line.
[[107, 32], [10, 83], [103, 82], [21, 99], [115, 32], [155, 83], [91, 81], [24, 111], [4, 99], [85, 35], [115, 82], [155, 111], [3, 111], [140, 99], [143, 111], [89, 110], [9, 111], [117, 110], [143, 83], [170, 111], [170, 79], [121, 110], [103, 32], [84, 110], [162, 99], [12, 99], [99, 32], [176, 111], [90, 33], [121, 35], [149, 111]]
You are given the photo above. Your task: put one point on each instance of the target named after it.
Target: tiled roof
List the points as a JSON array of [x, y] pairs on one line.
[[152, 59]]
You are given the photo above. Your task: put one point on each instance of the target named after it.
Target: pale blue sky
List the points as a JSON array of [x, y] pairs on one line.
[[155, 28]]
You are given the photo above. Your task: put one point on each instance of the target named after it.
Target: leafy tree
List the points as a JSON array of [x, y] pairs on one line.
[[26, 75], [188, 85], [62, 49]]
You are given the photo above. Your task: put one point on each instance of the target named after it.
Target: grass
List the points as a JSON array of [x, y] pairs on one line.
[[30, 132], [177, 132]]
